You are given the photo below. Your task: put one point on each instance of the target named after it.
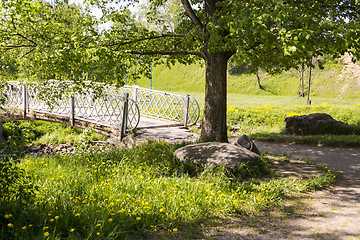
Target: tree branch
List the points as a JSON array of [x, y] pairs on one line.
[[144, 39], [19, 46], [192, 15], [180, 52], [22, 36], [27, 53]]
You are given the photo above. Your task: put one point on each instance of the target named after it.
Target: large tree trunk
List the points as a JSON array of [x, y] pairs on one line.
[[214, 127]]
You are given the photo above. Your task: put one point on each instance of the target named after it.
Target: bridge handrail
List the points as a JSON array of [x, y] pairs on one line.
[[106, 109], [169, 106], [149, 102]]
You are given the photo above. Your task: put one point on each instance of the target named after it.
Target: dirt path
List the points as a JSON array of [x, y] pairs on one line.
[[329, 214]]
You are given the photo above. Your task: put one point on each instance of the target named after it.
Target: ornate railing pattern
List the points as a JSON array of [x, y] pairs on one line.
[[114, 106], [106, 109], [157, 104]]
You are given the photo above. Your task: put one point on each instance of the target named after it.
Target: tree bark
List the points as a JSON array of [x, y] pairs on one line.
[[214, 126], [259, 80], [2, 139]]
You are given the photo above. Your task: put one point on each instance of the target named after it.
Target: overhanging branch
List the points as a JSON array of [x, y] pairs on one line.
[[144, 39], [180, 52]]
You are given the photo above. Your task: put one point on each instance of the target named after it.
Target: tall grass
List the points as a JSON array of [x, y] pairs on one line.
[[119, 193]]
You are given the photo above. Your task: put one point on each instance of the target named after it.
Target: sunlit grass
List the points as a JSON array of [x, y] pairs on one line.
[[120, 192]]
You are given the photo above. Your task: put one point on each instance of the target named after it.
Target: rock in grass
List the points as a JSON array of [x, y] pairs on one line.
[[245, 141], [316, 123], [216, 154]]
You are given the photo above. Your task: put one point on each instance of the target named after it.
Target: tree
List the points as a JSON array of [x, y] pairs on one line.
[[58, 41], [274, 34], [263, 33]]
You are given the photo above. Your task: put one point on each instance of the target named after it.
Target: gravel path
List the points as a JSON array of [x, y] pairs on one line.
[[333, 213]]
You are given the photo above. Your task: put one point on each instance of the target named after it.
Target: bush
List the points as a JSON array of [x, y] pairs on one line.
[[15, 186]]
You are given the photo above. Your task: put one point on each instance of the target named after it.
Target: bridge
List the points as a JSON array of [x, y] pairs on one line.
[[108, 109]]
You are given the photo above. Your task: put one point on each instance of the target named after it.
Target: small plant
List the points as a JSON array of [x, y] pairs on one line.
[[84, 143], [15, 185]]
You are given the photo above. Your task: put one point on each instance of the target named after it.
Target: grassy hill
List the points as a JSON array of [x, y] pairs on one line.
[[337, 80]]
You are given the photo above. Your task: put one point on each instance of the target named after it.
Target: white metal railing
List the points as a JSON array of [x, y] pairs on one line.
[[106, 109], [114, 106], [157, 104]]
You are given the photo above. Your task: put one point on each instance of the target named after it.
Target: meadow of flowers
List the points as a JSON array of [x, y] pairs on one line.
[[121, 193]]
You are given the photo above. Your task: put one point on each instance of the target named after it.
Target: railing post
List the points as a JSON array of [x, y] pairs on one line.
[[124, 115], [72, 111], [25, 100], [135, 93], [186, 109]]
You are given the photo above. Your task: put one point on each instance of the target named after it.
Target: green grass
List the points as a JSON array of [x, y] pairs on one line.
[[327, 83], [36, 132], [133, 193]]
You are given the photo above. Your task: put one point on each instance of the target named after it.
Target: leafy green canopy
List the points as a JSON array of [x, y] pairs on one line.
[[59, 41], [63, 41], [276, 34]]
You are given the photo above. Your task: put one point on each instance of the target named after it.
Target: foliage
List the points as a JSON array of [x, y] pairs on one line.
[[18, 134], [15, 186], [118, 193], [59, 41]]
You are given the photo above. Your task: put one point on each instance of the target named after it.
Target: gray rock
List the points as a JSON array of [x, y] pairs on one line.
[[245, 142], [316, 123], [217, 154], [34, 148]]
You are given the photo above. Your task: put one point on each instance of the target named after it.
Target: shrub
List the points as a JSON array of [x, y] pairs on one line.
[[15, 186]]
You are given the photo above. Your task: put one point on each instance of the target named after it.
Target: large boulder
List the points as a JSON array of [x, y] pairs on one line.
[[216, 154], [316, 123]]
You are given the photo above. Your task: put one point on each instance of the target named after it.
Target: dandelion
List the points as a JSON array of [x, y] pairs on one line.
[[24, 228], [46, 234], [7, 216], [77, 215], [175, 230], [98, 233], [138, 218], [10, 225], [161, 210], [56, 217], [110, 220], [98, 225], [72, 230], [52, 220], [30, 225]]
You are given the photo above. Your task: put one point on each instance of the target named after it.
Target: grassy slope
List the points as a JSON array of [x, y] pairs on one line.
[[280, 89]]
